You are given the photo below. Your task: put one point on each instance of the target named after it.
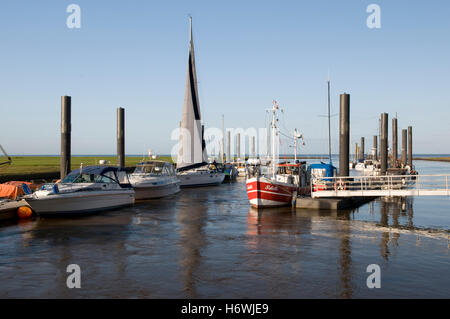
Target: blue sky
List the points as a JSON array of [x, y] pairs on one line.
[[134, 54]]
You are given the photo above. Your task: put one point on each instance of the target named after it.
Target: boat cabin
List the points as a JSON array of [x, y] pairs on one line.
[[98, 174], [155, 168]]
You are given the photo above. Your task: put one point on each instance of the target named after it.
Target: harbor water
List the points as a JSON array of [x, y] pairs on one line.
[[208, 243]]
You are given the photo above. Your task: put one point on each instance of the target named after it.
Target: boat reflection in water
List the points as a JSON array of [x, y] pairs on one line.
[[299, 230]]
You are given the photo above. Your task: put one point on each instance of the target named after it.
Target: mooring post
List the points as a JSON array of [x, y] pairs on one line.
[[384, 143], [410, 157], [394, 142], [362, 152], [375, 146], [404, 146], [344, 134], [66, 128], [121, 136]]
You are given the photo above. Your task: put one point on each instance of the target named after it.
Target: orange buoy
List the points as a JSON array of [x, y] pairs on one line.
[[24, 212]]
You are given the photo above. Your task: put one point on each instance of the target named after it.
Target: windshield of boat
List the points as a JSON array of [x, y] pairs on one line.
[[89, 178], [288, 169], [156, 169]]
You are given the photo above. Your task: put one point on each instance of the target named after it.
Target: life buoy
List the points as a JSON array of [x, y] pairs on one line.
[[340, 185]]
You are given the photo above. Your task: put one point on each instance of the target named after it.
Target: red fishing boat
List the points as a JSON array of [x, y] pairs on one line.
[[273, 184]]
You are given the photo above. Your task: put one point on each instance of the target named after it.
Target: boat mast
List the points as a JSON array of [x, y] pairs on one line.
[[223, 140], [329, 120], [274, 110], [295, 144]]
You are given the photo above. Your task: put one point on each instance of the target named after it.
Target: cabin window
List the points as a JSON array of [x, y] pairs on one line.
[[103, 179], [84, 178]]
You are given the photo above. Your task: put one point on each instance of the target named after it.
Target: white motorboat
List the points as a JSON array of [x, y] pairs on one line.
[[154, 179], [360, 166], [202, 176], [192, 161], [85, 190]]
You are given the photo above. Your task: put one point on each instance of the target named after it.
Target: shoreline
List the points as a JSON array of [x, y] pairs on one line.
[[433, 159]]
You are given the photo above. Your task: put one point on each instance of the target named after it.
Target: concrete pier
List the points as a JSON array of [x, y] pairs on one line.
[[410, 158], [66, 128], [384, 143], [344, 134], [404, 146], [331, 203], [121, 136]]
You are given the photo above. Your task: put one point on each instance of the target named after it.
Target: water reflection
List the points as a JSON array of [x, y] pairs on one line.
[[192, 216], [208, 243], [264, 228]]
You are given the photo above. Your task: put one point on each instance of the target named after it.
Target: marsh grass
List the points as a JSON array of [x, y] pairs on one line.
[[49, 164]]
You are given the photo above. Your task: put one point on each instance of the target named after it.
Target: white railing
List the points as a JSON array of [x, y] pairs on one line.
[[374, 186]]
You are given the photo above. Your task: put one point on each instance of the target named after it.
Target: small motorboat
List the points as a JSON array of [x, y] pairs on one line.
[[154, 179], [206, 175], [85, 190]]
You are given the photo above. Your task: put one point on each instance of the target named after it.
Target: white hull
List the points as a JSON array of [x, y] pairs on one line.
[[157, 191], [81, 202], [200, 178]]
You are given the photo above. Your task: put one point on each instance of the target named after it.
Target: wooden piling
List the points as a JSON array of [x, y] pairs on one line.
[[394, 142], [375, 146], [410, 158], [121, 137], [344, 134], [384, 143], [404, 147], [66, 128]]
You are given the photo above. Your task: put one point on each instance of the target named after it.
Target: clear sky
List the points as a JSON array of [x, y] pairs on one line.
[[134, 54]]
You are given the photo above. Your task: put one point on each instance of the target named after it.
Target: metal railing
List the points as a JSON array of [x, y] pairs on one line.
[[374, 186]]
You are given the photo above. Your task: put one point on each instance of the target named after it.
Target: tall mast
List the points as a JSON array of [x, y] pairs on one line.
[[223, 139], [329, 120], [295, 144], [274, 110]]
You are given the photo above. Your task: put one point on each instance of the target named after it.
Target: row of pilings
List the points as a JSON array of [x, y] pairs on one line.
[[381, 152], [66, 129]]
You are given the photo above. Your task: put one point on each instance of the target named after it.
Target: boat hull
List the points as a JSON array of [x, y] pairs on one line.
[[263, 192], [196, 178], [157, 191], [81, 203]]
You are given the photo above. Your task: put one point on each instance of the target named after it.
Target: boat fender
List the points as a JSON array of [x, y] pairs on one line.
[[24, 212], [55, 189]]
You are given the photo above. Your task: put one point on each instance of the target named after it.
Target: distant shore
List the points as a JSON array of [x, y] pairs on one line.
[[434, 159], [27, 168]]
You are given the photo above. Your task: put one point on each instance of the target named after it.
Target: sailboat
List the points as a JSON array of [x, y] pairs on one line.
[[192, 165]]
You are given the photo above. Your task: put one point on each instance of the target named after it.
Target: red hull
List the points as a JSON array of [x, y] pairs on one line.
[[263, 192]]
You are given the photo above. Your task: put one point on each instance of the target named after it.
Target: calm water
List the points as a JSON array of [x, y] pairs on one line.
[[208, 243]]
